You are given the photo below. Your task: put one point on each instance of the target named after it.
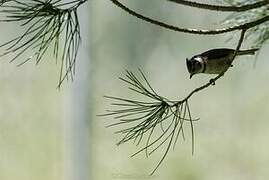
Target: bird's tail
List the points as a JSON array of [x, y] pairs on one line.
[[247, 52]]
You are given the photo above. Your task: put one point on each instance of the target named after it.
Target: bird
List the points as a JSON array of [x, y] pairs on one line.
[[214, 61]]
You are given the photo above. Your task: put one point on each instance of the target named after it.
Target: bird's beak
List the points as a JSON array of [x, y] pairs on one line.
[[191, 76]]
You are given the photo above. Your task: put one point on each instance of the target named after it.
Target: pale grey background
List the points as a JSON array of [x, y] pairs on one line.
[[51, 134]]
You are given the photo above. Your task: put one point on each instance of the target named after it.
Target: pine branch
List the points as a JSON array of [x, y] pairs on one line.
[[257, 35], [231, 8], [246, 25], [49, 24], [146, 119]]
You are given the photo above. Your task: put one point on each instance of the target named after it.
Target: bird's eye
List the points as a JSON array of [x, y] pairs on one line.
[[197, 64]]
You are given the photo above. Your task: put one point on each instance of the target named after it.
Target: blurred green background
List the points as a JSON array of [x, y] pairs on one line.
[[50, 134]]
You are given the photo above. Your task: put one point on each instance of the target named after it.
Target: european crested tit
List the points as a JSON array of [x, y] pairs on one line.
[[214, 61]]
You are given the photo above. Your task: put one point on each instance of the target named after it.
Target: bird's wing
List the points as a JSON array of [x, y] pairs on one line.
[[217, 53]]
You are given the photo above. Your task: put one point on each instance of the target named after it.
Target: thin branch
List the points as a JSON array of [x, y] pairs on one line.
[[220, 7], [48, 24], [189, 30]]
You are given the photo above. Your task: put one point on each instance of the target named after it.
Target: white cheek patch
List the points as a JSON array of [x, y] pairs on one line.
[[202, 68], [199, 59]]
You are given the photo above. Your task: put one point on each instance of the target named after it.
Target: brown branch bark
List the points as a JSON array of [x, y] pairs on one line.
[[220, 7], [189, 30]]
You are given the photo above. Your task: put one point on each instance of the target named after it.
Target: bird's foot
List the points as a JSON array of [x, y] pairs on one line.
[[212, 82]]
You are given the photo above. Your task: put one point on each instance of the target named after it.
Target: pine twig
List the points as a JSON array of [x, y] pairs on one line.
[[190, 30], [49, 24], [241, 8], [148, 118]]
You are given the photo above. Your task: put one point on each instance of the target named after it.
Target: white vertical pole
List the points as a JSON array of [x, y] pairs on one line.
[[76, 110]]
